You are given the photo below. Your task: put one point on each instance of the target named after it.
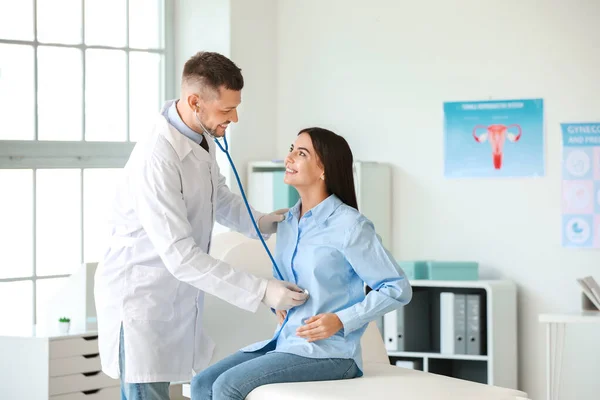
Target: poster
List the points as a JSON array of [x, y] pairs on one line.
[[494, 139], [581, 185]]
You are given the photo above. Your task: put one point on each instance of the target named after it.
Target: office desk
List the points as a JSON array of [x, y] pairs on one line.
[[555, 335]]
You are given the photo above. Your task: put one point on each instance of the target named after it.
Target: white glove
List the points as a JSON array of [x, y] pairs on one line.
[[268, 222], [282, 295]]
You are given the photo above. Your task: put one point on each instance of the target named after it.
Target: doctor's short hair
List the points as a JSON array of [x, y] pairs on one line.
[[211, 70], [335, 156]]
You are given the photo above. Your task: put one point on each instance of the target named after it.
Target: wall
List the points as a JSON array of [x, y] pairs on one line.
[[378, 74], [199, 25], [254, 50]]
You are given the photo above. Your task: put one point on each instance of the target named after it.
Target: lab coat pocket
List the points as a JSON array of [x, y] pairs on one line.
[[151, 294]]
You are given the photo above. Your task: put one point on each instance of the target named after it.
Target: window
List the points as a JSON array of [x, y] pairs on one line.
[[80, 82]]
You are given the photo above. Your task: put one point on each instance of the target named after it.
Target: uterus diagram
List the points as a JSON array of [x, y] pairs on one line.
[[496, 135]]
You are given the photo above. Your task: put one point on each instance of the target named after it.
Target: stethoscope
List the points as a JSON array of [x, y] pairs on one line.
[[237, 178]]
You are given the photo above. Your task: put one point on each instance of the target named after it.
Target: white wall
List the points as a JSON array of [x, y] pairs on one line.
[[377, 72], [254, 50], [199, 25]]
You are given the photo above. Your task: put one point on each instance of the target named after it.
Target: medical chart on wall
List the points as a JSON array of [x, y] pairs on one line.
[[581, 185], [494, 139]]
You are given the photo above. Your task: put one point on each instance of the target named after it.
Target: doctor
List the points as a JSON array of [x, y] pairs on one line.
[[150, 285]]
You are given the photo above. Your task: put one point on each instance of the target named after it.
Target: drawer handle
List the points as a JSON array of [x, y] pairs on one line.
[[88, 392], [91, 373], [90, 337], [91, 355]]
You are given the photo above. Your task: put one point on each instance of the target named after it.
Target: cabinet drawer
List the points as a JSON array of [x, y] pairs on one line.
[[80, 383], [75, 365], [77, 346], [112, 393]]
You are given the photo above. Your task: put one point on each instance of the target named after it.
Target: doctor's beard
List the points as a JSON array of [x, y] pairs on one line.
[[204, 128]]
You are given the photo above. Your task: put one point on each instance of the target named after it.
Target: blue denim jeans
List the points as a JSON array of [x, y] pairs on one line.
[[140, 391], [234, 377]]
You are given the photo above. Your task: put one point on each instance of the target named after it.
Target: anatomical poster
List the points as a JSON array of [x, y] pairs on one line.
[[581, 185], [494, 139]]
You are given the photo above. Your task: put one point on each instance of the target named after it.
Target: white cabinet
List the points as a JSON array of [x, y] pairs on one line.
[[373, 183], [496, 363], [372, 180], [46, 367]]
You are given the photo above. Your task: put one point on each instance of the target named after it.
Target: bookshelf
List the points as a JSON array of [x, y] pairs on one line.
[[497, 362]]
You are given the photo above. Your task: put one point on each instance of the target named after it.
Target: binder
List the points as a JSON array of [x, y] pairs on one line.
[[453, 320], [407, 329], [390, 330], [447, 323], [460, 323], [474, 324]]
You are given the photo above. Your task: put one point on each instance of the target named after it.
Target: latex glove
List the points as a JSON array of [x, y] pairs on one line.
[[281, 295], [281, 314], [320, 327], [268, 222]]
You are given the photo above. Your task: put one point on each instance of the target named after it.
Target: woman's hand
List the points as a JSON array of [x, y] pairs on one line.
[[280, 315], [320, 327]]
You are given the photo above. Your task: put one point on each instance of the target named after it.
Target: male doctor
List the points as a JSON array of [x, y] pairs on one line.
[[150, 285]]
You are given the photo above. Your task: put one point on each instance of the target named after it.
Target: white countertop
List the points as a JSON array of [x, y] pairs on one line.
[[40, 332], [573, 317]]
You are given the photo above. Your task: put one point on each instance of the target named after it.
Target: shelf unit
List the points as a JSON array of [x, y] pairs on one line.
[[437, 355], [497, 363]]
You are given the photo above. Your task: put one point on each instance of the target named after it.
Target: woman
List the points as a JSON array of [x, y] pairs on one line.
[[326, 246]]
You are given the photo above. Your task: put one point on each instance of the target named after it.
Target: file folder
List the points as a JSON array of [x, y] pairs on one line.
[[453, 323], [474, 324], [390, 331], [407, 329]]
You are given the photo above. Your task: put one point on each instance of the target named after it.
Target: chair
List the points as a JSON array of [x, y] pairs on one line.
[[232, 329]]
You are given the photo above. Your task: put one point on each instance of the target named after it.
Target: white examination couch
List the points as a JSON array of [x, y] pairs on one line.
[[232, 328]]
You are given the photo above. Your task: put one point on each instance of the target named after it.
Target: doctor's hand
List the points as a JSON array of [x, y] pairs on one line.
[[281, 295], [268, 222], [281, 314], [320, 327]]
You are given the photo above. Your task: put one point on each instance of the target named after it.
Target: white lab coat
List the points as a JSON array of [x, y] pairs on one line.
[[153, 277]]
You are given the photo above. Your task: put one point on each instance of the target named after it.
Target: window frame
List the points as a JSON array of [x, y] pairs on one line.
[[81, 154]]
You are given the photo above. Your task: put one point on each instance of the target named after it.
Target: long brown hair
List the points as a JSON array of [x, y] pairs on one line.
[[336, 157]]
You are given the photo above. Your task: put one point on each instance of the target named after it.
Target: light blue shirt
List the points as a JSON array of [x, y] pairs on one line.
[[332, 251], [174, 119]]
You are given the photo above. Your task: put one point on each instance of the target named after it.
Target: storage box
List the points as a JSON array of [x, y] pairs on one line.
[[453, 270], [415, 269], [441, 270]]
